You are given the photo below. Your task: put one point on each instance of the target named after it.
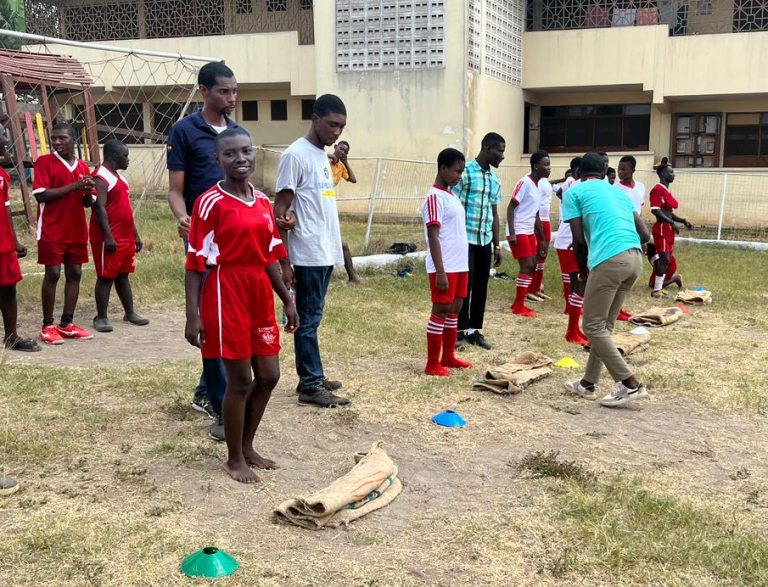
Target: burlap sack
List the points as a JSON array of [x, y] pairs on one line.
[[656, 317], [371, 484], [629, 344], [689, 296], [513, 377]]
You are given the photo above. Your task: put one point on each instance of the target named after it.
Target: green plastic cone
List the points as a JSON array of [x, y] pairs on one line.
[[210, 562]]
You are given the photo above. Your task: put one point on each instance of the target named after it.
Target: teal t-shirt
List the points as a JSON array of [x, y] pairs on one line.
[[608, 218]]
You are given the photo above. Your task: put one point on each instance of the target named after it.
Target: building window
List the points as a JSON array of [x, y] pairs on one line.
[[746, 140], [279, 109], [250, 110], [696, 140], [244, 6], [277, 5], [120, 121], [166, 114], [617, 127], [307, 106], [306, 4]]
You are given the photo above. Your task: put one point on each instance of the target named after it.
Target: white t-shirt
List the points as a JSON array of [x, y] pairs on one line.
[[546, 189], [527, 196], [636, 193], [443, 209], [316, 240], [564, 238], [219, 129]]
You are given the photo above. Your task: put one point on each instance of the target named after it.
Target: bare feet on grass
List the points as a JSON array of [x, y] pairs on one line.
[[678, 280], [240, 471], [255, 459]]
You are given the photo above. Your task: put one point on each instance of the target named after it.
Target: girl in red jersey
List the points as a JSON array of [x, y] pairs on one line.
[[663, 205], [233, 231]]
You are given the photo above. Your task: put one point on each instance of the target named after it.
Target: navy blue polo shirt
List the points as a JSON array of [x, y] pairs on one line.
[[190, 149]]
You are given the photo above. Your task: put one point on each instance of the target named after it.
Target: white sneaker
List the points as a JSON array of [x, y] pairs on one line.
[[577, 388], [622, 395]]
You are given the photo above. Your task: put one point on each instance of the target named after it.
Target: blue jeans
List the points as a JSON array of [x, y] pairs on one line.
[[311, 287]]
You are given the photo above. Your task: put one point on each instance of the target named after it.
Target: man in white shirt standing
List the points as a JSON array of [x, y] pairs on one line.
[[306, 213]]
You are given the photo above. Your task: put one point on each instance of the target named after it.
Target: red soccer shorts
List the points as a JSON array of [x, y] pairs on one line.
[[567, 260], [547, 226], [238, 314], [10, 272], [50, 253], [457, 287], [525, 247], [663, 237], [110, 265]]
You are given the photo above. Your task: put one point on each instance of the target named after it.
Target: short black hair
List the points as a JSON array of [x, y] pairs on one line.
[[602, 153], [662, 166], [610, 171], [448, 157], [629, 159], [113, 146], [538, 157], [232, 131], [65, 126], [575, 162], [492, 139], [591, 164], [340, 143], [210, 73], [328, 104]]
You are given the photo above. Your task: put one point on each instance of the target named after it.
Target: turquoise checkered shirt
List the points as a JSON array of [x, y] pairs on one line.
[[478, 190]]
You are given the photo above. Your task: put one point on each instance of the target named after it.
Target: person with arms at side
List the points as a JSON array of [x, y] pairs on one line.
[[306, 213], [63, 188], [479, 191], [663, 206], [447, 263], [192, 170], [233, 231], [537, 294], [115, 240], [10, 271], [523, 225], [607, 240], [342, 170]]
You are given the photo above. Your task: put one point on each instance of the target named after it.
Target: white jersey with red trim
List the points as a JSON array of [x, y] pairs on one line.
[[564, 238], [527, 196], [546, 189], [441, 208], [636, 193]]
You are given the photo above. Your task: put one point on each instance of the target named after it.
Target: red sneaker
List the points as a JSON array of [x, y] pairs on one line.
[[50, 335], [72, 331]]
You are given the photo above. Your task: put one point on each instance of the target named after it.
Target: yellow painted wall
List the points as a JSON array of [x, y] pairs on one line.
[[272, 132], [495, 106]]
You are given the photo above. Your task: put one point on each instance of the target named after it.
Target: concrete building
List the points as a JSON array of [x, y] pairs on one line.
[[653, 77]]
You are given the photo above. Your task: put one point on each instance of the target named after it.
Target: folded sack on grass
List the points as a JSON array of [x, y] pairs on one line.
[[690, 296], [511, 378], [370, 485], [656, 317], [629, 344]]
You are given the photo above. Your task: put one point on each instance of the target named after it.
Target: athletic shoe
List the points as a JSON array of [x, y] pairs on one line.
[[331, 385], [7, 486], [477, 339], [461, 341], [577, 388], [217, 429], [623, 316], [135, 319], [201, 404], [320, 397], [49, 335], [102, 325], [25, 345], [502, 275], [73, 331], [622, 395]]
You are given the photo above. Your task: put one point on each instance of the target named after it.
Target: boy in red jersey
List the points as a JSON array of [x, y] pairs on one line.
[[10, 272], [233, 231], [523, 228], [63, 188], [447, 263], [114, 238], [663, 205]]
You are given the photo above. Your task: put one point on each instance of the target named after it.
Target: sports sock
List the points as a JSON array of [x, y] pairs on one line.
[[538, 277], [66, 320], [658, 283], [47, 323], [574, 333], [435, 328], [523, 285], [566, 290], [449, 344]]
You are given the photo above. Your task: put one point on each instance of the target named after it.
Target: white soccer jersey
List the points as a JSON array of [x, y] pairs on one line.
[[546, 189], [564, 238], [528, 199], [636, 193], [443, 209]]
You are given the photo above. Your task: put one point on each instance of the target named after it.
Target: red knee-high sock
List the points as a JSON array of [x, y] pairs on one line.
[[566, 291], [524, 283], [538, 277], [450, 334], [574, 333], [435, 328]]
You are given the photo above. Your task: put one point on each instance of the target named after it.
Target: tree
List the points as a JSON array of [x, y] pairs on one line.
[[9, 20]]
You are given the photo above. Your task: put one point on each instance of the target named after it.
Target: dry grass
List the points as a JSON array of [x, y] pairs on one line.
[[120, 481]]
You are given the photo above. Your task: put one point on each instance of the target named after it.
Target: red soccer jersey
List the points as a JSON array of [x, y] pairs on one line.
[[7, 243], [662, 198], [118, 208], [228, 231], [62, 220]]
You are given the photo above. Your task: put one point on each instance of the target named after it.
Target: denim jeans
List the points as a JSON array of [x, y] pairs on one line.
[[311, 287]]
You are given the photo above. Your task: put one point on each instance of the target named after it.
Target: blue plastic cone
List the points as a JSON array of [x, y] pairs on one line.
[[450, 419], [210, 562]]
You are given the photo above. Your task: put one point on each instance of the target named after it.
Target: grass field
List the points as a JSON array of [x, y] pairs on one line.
[[120, 480]]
